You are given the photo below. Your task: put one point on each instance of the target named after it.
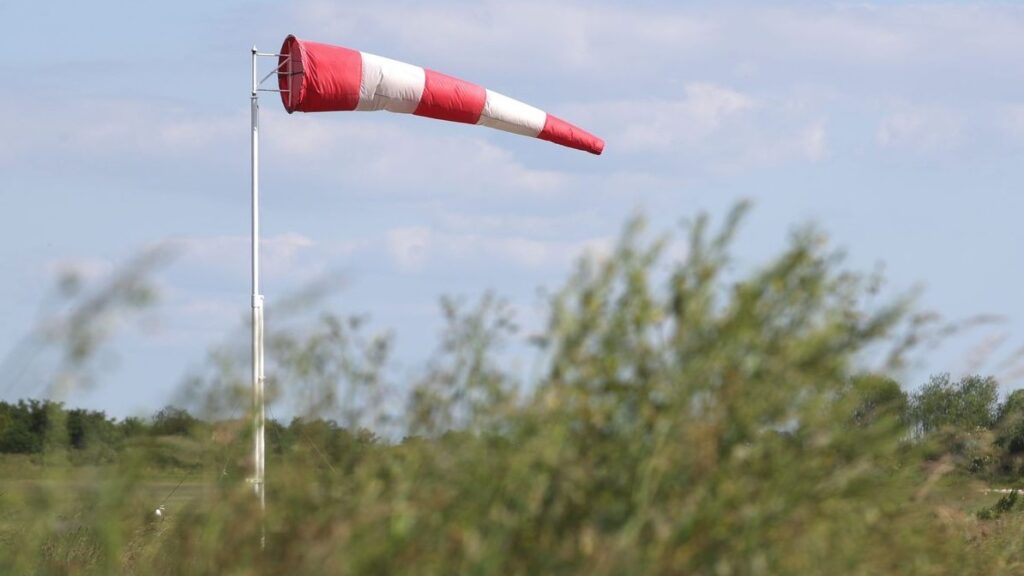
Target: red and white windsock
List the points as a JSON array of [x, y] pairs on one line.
[[316, 77]]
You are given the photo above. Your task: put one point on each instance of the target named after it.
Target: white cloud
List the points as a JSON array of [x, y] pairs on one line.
[[922, 130], [593, 37], [280, 254], [390, 154], [638, 44], [409, 246], [124, 128], [504, 224], [413, 248], [658, 124], [717, 125], [1012, 121], [803, 142], [814, 141], [379, 152], [835, 33]]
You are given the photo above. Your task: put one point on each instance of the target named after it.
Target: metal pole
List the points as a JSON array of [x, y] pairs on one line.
[[257, 303]]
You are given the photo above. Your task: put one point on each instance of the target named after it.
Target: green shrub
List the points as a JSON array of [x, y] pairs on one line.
[[687, 419]]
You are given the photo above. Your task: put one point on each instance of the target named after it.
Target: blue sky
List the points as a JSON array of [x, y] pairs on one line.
[[897, 126]]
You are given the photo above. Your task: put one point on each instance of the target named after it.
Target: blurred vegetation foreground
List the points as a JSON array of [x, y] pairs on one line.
[[684, 421]]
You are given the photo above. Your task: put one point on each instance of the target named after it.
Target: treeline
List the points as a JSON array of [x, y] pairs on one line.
[[964, 419], [35, 426]]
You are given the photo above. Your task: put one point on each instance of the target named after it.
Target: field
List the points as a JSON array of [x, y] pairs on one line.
[[88, 519]]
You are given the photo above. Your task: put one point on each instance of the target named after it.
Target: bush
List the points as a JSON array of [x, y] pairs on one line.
[[685, 421], [703, 427]]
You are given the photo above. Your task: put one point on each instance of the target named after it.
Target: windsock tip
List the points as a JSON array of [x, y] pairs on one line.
[[559, 131]]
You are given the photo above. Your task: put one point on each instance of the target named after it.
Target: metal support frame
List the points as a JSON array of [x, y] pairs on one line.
[[258, 479]]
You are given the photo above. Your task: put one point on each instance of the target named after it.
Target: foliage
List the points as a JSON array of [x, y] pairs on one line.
[[687, 419], [1010, 423], [1005, 504], [879, 398], [171, 421], [968, 404], [23, 426]]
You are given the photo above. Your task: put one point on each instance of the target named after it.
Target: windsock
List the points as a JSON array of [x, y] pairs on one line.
[[316, 77]]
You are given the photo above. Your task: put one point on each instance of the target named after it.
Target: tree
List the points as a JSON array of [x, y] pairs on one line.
[[16, 436], [966, 405], [171, 421], [1010, 423], [878, 397], [133, 426], [90, 428]]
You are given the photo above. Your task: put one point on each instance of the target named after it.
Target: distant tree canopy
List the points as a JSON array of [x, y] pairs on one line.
[[23, 426], [89, 427], [1010, 423], [878, 397], [968, 404], [30, 426], [171, 421]]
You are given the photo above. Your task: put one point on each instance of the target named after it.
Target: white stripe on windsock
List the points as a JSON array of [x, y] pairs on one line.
[[390, 85], [398, 87], [511, 115]]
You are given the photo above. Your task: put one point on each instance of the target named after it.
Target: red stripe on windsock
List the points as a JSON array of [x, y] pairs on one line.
[[322, 77], [448, 98], [561, 132]]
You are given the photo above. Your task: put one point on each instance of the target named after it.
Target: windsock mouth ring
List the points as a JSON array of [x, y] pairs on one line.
[[291, 73]]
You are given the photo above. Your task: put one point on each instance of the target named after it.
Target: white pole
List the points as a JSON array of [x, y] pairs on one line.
[[257, 302]]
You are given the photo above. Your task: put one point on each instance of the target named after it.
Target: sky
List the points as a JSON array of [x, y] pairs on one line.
[[897, 127]]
